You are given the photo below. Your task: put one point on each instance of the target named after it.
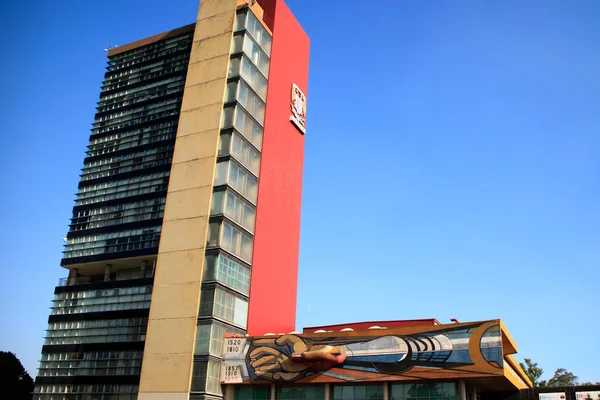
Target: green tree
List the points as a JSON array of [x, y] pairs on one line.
[[562, 377], [532, 371], [16, 382]]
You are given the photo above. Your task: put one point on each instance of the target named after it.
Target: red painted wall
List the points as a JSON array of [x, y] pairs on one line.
[[273, 284]]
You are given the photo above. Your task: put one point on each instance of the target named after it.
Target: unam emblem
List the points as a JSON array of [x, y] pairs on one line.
[[298, 105]]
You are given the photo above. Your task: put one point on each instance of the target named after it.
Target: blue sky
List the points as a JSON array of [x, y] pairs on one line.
[[451, 165]]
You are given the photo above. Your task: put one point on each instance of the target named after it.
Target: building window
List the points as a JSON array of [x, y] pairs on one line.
[[245, 19], [235, 116], [228, 272], [206, 377], [301, 392], [240, 91], [97, 331], [232, 143], [241, 66], [230, 238], [224, 305], [423, 391], [232, 206], [252, 392], [229, 173], [357, 392], [210, 338]]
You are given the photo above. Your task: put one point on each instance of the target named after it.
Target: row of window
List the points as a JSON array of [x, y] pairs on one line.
[[120, 213], [103, 307], [123, 187], [97, 323], [154, 50], [120, 114], [412, 391], [92, 363], [116, 164], [103, 293], [107, 389], [172, 112], [136, 137], [127, 190], [94, 331], [112, 242], [147, 74], [128, 119], [92, 371], [125, 73], [131, 93]]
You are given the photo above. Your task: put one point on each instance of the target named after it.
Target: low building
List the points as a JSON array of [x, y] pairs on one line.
[[399, 360]]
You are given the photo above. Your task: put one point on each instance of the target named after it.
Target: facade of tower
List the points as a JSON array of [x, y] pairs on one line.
[[186, 224]]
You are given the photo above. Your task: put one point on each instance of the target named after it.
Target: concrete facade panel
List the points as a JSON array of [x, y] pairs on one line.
[[196, 146], [186, 204], [172, 336], [184, 234], [191, 174], [166, 373], [203, 94], [207, 70], [200, 119], [211, 47], [214, 26], [211, 8], [179, 301], [179, 267]]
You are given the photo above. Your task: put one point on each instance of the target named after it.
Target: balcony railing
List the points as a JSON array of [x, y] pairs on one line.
[[121, 275]]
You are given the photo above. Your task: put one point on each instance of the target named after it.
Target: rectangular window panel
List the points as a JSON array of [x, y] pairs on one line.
[[426, 391], [228, 272], [240, 91], [205, 377], [234, 116], [241, 66], [357, 392], [244, 183], [252, 392]]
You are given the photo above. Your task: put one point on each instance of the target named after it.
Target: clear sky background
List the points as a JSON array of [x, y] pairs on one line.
[[451, 165]]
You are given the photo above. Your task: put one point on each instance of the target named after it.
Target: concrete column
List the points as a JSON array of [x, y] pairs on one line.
[[143, 268], [327, 391], [462, 390], [386, 391], [473, 390], [72, 279], [107, 269], [273, 389], [229, 392]]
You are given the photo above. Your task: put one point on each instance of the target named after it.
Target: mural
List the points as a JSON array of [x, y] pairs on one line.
[[441, 351]]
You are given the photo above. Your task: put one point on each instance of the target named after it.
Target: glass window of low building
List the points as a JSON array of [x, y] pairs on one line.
[[357, 392]]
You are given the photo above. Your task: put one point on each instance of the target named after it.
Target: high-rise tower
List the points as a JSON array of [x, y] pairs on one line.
[[186, 222]]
